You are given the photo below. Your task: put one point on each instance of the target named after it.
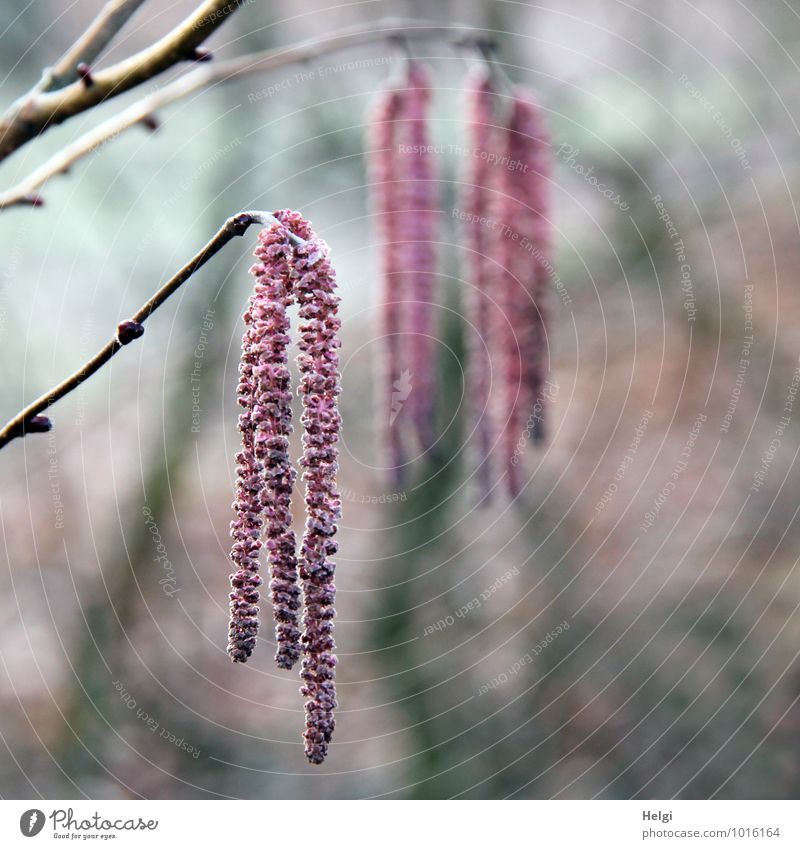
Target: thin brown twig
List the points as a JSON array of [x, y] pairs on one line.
[[35, 111], [236, 225], [99, 34], [205, 76]]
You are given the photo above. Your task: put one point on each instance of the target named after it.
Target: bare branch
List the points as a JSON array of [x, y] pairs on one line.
[[205, 76], [33, 113], [29, 420], [112, 18]]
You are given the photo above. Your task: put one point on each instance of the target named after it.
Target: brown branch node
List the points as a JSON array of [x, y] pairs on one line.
[[29, 419]]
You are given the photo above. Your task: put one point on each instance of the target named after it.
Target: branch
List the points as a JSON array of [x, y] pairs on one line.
[[34, 112], [112, 18], [29, 420], [267, 60]]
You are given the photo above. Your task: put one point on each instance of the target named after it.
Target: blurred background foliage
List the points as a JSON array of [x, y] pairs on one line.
[[678, 673]]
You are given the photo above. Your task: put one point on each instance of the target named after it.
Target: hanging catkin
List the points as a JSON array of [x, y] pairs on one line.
[[480, 271], [508, 242], [319, 365], [524, 253], [385, 175], [273, 410], [418, 220], [294, 267], [264, 473]]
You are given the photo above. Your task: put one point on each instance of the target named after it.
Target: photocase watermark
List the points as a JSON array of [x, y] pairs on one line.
[[320, 73], [67, 826], [364, 498], [570, 155], [491, 157], [680, 467], [54, 481], [626, 462], [549, 393], [183, 187], [207, 325], [169, 583], [101, 143], [208, 164], [679, 250], [98, 146], [525, 660], [476, 603], [216, 14], [497, 226], [31, 822], [84, 340], [743, 365], [401, 389], [785, 420], [13, 257], [718, 118], [152, 723]]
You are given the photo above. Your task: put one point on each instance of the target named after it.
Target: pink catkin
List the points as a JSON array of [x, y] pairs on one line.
[[264, 473], [315, 291], [418, 219], [481, 272], [245, 531], [525, 258], [257, 423], [385, 176], [272, 413]]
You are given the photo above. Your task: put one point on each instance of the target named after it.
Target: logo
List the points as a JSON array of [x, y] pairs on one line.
[[31, 822], [402, 389]]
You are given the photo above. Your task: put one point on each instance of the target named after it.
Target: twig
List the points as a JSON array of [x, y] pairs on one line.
[[112, 18], [35, 111], [205, 76], [29, 420]]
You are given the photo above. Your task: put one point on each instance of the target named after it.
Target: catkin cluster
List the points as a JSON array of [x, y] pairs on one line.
[[506, 255], [293, 268]]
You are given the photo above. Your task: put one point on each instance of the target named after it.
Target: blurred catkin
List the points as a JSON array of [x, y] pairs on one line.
[[480, 272], [385, 175], [524, 255], [418, 224], [405, 193]]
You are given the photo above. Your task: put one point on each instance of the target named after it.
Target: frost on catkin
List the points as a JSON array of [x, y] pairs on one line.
[[251, 477], [264, 471], [245, 531], [293, 267], [269, 335], [315, 292]]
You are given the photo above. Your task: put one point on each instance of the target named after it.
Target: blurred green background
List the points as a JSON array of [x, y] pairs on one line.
[[677, 674]]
